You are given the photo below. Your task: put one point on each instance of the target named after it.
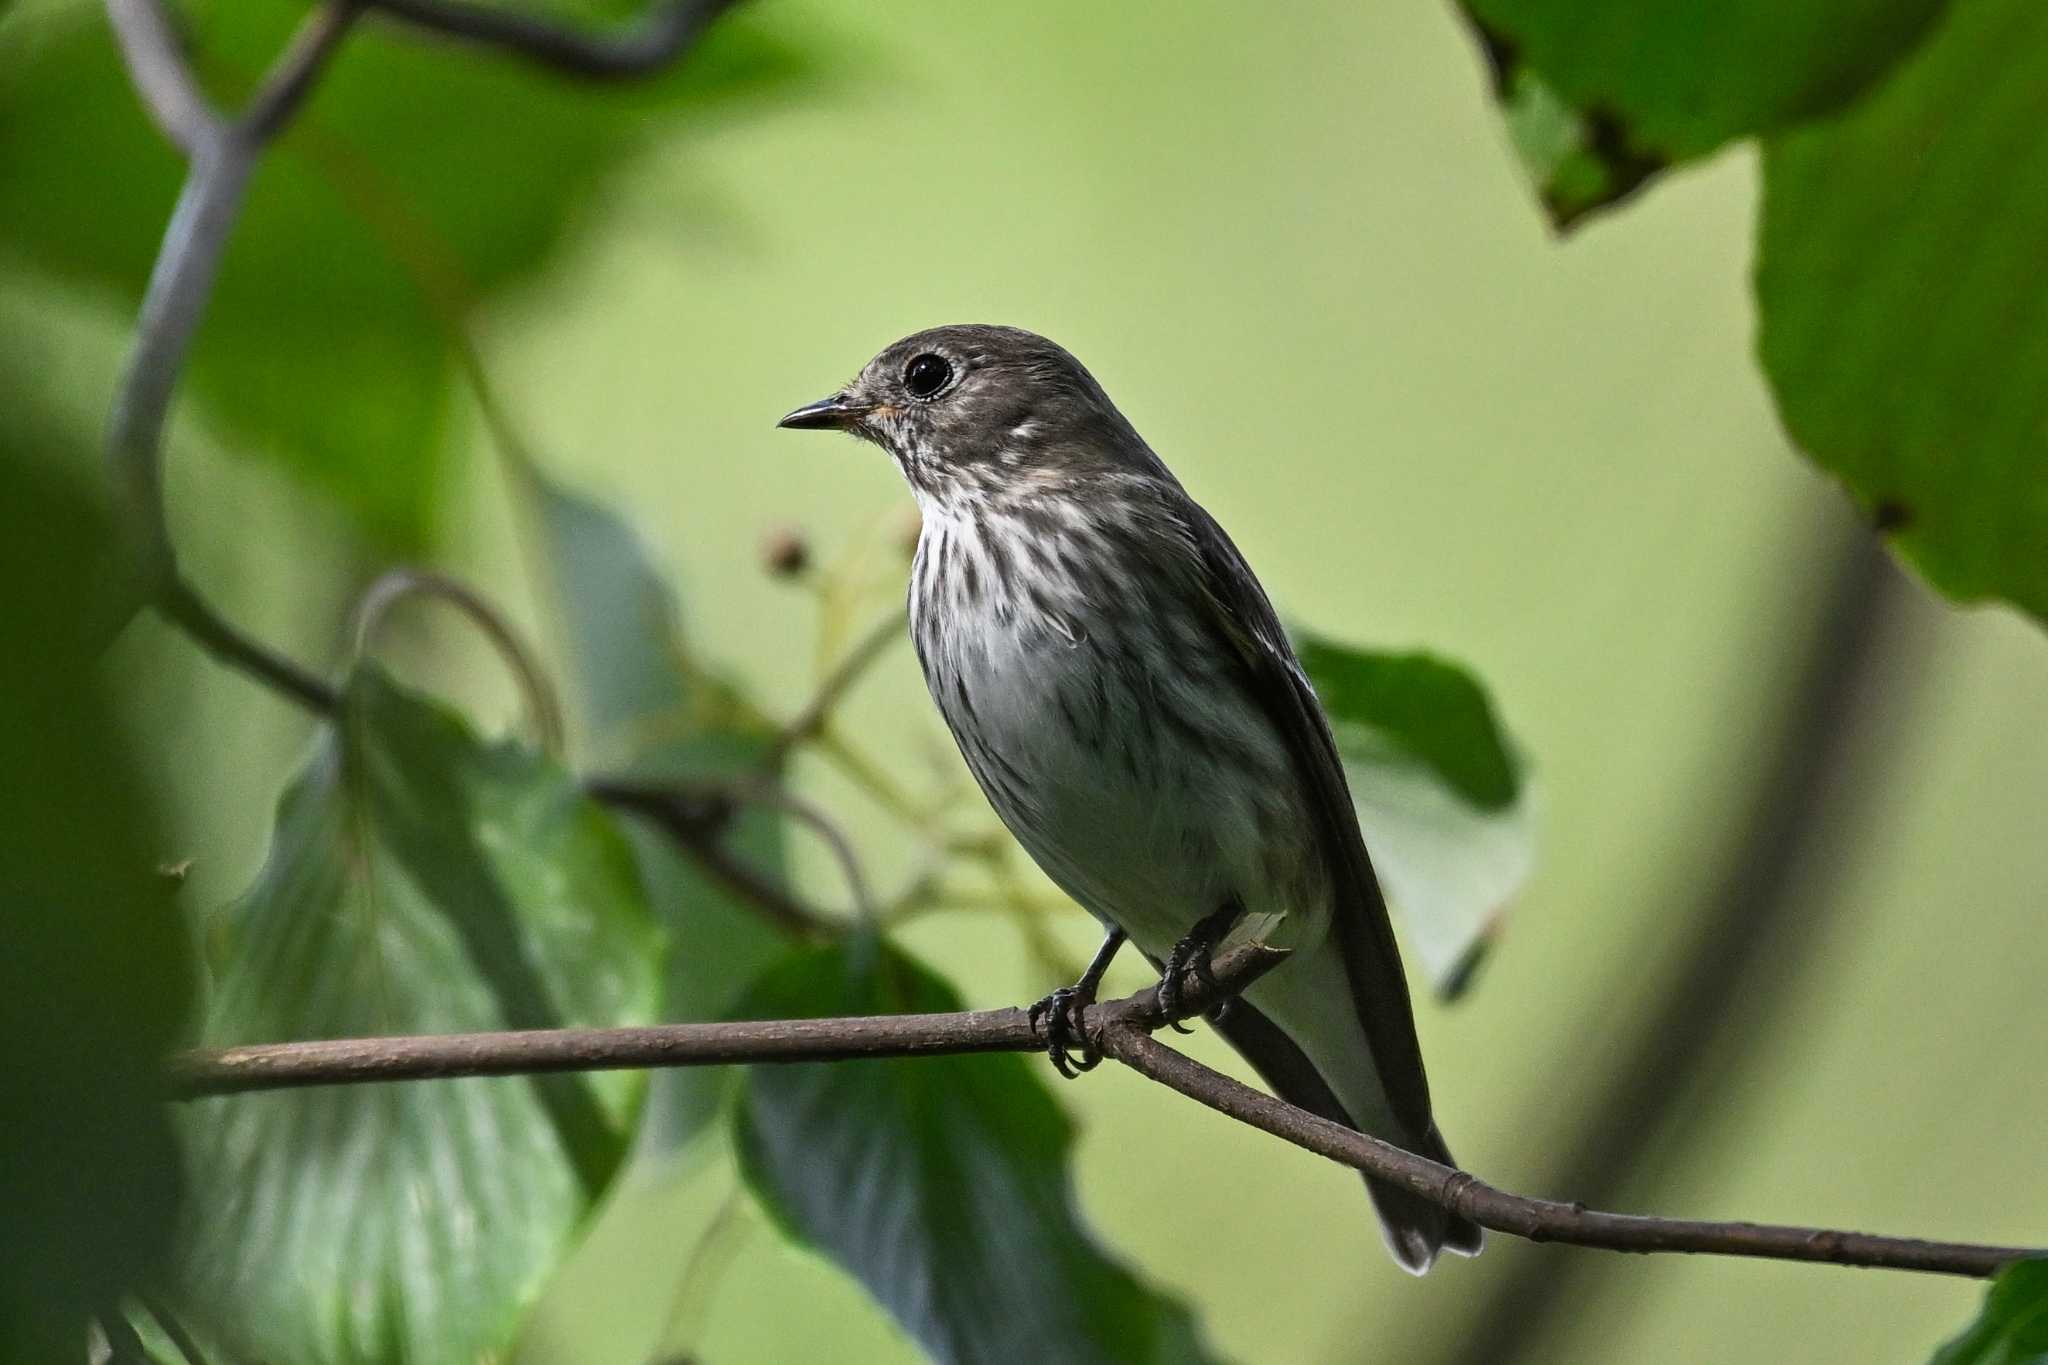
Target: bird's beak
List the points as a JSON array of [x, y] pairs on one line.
[[835, 413]]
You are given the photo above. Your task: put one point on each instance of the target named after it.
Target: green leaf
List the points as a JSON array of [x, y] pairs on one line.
[[941, 1184], [1440, 794], [647, 712], [1905, 344], [421, 178], [2013, 1328], [418, 882], [96, 974], [617, 623], [1603, 94]]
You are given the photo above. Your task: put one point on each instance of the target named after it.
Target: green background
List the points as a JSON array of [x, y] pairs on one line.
[[1296, 249]]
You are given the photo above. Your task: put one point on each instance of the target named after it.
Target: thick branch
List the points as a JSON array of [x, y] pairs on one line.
[[1121, 1029], [659, 38]]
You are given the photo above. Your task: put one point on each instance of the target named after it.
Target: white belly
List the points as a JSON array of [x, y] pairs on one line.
[[1143, 782]]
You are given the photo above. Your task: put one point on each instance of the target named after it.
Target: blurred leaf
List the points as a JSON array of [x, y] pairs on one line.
[[618, 625], [646, 712], [1602, 94], [1905, 343], [2013, 1328], [717, 943], [96, 975], [1440, 795], [421, 178], [418, 881], [940, 1183]]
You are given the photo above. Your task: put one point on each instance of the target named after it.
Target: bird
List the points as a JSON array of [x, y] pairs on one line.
[[1127, 699]]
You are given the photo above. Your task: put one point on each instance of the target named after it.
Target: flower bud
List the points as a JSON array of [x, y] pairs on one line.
[[785, 553]]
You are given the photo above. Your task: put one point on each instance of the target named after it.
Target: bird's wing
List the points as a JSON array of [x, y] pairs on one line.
[[1246, 621]]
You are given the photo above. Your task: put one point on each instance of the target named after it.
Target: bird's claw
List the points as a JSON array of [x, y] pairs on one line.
[[1190, 961], [1066, 1038]]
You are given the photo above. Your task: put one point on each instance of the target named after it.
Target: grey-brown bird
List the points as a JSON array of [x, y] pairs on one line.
[[1126, 697]]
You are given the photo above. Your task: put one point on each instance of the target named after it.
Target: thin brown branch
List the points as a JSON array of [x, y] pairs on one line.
[[1541, 1220], [355, 1061], [696, 818], [658, 38], [1121, 1029]]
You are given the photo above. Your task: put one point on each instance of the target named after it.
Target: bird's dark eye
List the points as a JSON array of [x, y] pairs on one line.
[[925, 375]]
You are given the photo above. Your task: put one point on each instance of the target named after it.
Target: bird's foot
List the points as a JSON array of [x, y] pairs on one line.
[[1066, 1038], [1192, 962]]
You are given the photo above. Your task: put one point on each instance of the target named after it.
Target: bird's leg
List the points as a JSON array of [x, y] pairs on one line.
[[1190, 959], [1065, 1040]]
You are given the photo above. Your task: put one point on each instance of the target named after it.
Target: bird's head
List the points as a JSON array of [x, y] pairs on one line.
[[973, 409]]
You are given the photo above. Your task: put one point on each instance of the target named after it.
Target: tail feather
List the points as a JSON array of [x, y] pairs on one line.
[[1415, 1229]]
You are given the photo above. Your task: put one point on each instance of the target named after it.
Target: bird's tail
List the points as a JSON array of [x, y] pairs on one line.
[[1300, 1032], [1417, 1230]]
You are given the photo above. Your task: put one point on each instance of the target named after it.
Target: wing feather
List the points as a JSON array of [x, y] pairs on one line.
[[1246, 621]]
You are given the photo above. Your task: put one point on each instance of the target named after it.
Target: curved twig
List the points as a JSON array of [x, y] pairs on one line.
[[390, 588]]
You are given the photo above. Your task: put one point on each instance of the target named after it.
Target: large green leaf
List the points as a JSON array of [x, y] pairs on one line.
[[96, 974], [1902, 328], [2013, 1328], [418, 882], [421, 177], [1601, 94], [941, 1183], [1440, 794]]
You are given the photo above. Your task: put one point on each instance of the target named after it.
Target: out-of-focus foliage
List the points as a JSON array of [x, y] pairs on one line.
[[940, 1183], [96, 973], [1602, 94], [1906, 191], [418, 882], [1440, 794], [645, 709], [622, 635], [1904, 329], [2013, 1328], [420, 179]]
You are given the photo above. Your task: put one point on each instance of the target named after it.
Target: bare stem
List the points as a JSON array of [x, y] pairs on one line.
[[1541, 1220], [696, 820], [811, 719], [223, 153], [525, 1052], [1121, 1029]]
